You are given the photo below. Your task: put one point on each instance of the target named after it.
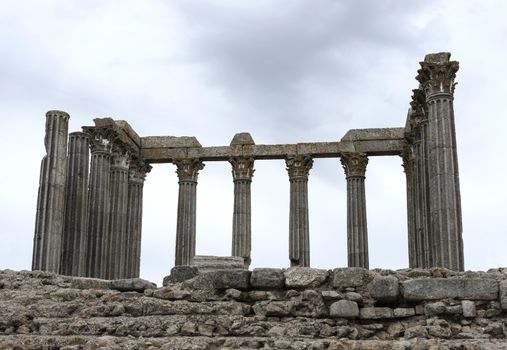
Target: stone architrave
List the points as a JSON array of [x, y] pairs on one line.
[[188, 171], [436, 77], [354, 165], [116, 244], [137, 174], [98, 201], [242, 172], [298, 168], [76, 215], [49, 221]]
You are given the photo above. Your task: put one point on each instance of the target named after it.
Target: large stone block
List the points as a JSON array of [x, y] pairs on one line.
[[132, 284], [384, 288], [180, 273], [304, 277], [458, 288], [375, 313], [344, 309], [238, 279], [267, 278], [223, 279], [350, 277]]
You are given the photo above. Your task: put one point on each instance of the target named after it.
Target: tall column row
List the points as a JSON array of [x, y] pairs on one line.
[[435, 193]]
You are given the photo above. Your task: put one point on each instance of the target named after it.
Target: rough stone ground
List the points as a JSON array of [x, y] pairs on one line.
[[298, 308]]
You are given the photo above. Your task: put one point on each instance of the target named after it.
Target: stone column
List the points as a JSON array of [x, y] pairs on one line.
[[116, 245], [49, 220], [423, 237], [137, 174], [242, 172], [298, 168], [76, 214], [436, 77], [98, 203], [354, 165], [408, 167], [187, 170]]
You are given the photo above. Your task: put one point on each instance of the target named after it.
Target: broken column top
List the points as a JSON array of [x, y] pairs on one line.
[[438, 58]]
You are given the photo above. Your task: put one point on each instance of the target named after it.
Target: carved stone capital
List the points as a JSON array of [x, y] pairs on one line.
[[354, 163], [437, 74], [242, 168], [188, 169], [100, 139], [298, 166], [120, 158], [138, 170]]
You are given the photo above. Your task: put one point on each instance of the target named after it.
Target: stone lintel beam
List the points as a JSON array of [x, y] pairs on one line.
[[373, 142]]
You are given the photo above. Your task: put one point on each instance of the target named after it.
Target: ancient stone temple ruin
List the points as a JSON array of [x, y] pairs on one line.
[[89, 210]]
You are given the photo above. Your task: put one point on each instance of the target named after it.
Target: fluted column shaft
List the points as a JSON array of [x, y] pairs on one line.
[[354, 165], [116, 245], [414, 244], [242, 172], [74, 244], [98, 205], [187, 170], [49, 221], [298, 168], [436, 76], [137, 175]]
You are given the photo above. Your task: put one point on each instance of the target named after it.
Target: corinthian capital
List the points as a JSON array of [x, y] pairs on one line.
[[120, 158], [138, 170], [242, 168], [354, 163], [188, 169], [298, 166], [437, 74]]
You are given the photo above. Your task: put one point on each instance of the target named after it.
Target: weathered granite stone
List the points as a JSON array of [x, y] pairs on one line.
[[353, 296], [344, 309], [469, 309], [434, 309], [349, 277], [304, 277], [181, 273], [503, 294], [132, 284], [222, 279], [267, 278], [441, 288], [374, 313], [209, 263], [404, 312], [331, 295], [384, 288], [238, 279], [89, 283]]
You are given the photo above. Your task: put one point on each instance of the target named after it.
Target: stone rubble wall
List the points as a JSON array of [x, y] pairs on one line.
[[296, 308]]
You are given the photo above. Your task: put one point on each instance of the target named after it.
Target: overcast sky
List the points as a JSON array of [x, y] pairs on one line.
[[285, 71]]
